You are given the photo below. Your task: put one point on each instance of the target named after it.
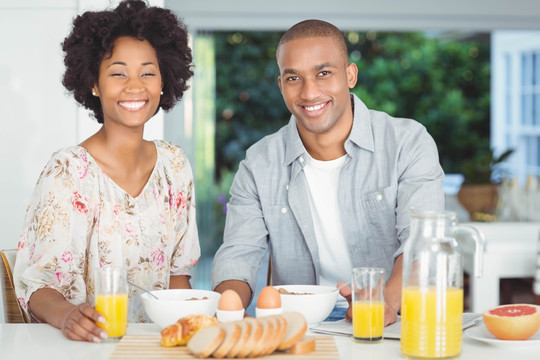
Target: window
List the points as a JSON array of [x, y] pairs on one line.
[[516, 99]]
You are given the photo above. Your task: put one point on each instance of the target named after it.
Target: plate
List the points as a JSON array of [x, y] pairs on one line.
[[481, 333]]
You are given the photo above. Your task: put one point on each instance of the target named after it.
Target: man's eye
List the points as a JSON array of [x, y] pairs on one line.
[[324, 73], [292, 78]]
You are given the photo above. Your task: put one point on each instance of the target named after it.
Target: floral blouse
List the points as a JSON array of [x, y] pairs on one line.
[[79, 220]]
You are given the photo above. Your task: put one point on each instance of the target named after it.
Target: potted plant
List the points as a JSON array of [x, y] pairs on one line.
[[483, 174]]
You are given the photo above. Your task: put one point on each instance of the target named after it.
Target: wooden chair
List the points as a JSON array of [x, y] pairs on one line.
[[269, 271], [13, 313]]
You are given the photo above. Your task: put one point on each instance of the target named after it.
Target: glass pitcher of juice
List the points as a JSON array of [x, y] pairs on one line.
[[432, 293]]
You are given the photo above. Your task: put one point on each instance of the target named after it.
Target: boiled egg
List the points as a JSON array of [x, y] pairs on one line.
[[230, 301], [269, 298]]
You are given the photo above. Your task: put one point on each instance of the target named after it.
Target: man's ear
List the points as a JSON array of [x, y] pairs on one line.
[[352, 75], [279, 84]]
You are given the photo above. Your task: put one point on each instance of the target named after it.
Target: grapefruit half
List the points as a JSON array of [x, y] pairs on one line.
[[513, 322]]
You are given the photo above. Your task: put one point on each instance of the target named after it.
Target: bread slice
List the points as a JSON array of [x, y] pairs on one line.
[[245, 334], [266, 337], [296, 329], [304, 346], [206, 341], [232, 334], [280, 327], [273, 328], [256, 333]]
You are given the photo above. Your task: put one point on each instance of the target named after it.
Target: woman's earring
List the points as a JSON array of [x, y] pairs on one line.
[[94, 92], [161, 92]]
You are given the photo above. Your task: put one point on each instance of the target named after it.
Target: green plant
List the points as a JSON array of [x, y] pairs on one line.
[[485, 168]]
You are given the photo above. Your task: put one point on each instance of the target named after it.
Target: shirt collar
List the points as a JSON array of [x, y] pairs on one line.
[[295, 147], [361, 134]]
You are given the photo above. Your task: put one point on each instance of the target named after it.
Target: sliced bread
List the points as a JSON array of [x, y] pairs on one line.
[[232, 334], [206, 341], [245, 334], [296, 329], [256, 333], [280, 327], [266, 337]]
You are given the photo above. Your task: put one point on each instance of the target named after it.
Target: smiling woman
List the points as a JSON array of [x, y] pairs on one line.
[[115, 199], [129, 83]]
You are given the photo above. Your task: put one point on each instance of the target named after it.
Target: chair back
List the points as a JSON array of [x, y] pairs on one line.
[[13, 313]]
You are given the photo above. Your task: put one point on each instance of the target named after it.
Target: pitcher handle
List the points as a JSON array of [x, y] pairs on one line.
[[480, 243]]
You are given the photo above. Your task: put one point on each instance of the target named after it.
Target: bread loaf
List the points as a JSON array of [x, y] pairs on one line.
[[252, 337]]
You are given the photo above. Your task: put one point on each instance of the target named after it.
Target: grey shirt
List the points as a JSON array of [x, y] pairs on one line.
[[392, 165]]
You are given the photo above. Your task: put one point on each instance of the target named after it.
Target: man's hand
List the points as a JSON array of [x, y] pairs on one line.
[[390, 313], [347, 294]]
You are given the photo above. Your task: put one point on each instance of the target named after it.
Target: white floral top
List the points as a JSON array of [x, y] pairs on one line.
[[78, 220]]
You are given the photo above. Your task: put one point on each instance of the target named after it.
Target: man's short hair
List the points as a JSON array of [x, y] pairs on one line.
[[314, 28]]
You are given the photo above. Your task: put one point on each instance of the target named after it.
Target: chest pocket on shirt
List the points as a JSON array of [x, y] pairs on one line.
[[381, 215]]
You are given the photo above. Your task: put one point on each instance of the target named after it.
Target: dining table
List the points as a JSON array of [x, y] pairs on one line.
[[42, 341]]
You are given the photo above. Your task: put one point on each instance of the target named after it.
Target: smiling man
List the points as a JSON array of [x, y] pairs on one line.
[[332, 189]]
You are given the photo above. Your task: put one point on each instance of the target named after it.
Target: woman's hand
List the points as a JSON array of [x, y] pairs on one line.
[[77, 322], [80, 324]]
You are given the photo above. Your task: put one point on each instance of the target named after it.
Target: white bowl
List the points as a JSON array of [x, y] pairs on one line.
[[315, 307], [173, 304]]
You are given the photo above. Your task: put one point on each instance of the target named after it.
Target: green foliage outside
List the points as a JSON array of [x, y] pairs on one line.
[[444, 85], [248, 101]]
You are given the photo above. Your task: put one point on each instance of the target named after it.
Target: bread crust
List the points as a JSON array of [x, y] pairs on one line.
[[296, 329], [304, 346], [256, 333], [206, 341], [232, 334], [245, 334], [183, 330]]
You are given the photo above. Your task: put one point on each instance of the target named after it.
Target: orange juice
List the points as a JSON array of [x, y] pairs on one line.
[[114, 309], [368, 320], [431, 322]]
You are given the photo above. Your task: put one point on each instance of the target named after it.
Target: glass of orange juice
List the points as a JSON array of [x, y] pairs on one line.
[[112, 300], [368, 304]]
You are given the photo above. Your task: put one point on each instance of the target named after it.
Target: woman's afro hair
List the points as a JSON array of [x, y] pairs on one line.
[[93, 36]]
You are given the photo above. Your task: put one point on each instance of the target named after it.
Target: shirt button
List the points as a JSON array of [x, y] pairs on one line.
[[284, 210], [301, 159], [287, 187], [379, 197]]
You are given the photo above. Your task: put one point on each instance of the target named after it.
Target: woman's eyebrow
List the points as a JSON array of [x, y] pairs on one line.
[[124, 64]]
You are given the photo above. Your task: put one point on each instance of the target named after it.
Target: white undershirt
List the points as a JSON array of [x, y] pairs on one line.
[[335, 263]]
